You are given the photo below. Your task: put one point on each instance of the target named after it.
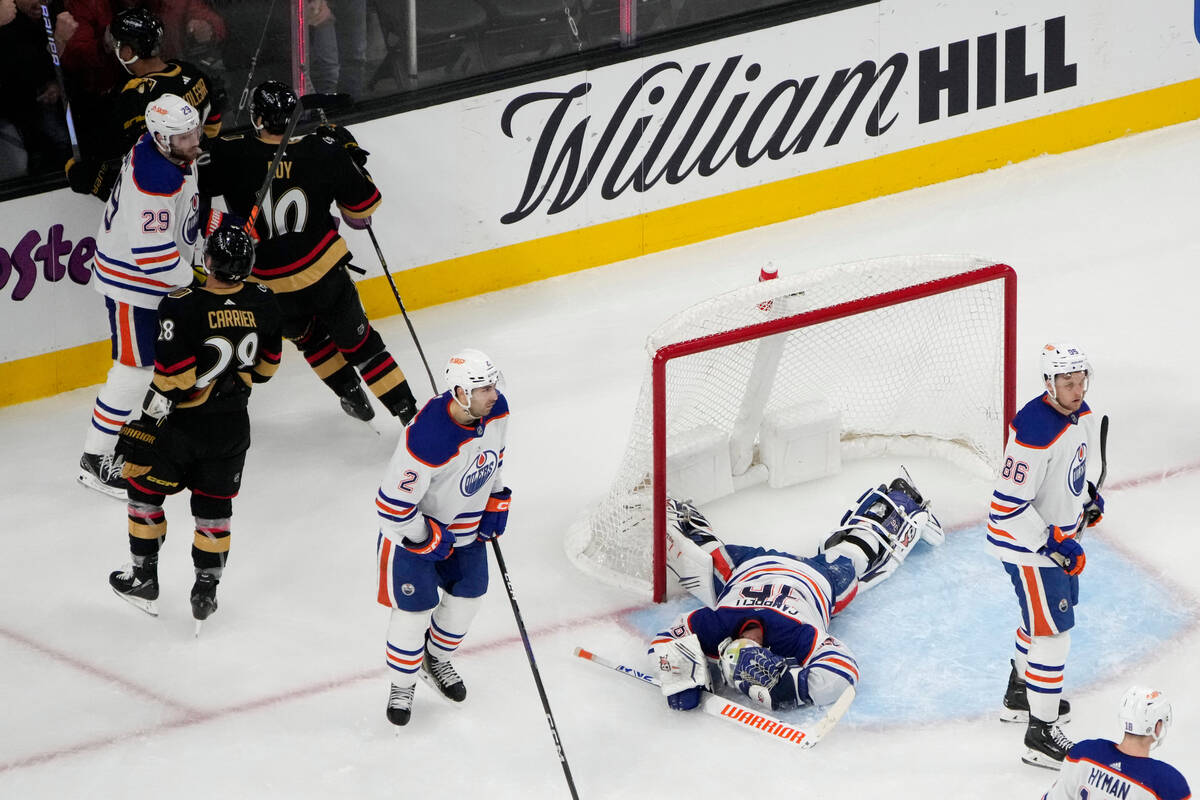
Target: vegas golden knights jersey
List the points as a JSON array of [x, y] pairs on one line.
[[178, 78], [213, 344], [299, 243]]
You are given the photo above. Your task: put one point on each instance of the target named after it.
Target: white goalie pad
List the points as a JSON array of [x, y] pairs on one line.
[[694, 555]]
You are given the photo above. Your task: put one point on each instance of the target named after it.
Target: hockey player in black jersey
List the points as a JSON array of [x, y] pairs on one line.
[[214, 342], [136, 36], [301, 256]]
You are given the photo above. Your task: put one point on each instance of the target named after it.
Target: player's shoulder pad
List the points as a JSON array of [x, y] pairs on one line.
[[182, 292], [1038, 423], [433, 437], [152, 172]]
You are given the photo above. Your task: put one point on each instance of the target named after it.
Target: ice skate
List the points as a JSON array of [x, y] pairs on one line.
[[204, 597], [356, 403], [441, 675], [1016, 702], [102, 472], [1045, 744], [399, 707], [138, 585]]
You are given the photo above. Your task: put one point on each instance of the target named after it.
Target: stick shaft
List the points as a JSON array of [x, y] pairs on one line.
[[58, 74], [537, 678]]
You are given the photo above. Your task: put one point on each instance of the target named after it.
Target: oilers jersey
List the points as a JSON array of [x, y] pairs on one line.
[[148, 236], [1096, 768], [1043, 480], [442, 470]]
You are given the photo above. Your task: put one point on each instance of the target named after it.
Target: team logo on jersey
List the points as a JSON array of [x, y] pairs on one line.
[[1077, 476], [479, 473], [191, 225]]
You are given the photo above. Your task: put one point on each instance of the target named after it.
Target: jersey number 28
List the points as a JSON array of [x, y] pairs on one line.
[[246, 351]]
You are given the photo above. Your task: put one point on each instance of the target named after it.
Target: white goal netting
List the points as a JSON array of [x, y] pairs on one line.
[[916, 376]]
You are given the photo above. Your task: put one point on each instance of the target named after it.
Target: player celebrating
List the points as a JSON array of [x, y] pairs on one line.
[[441, 498], [1100, 768], [144, 249], [301, 256], [767, 612], [1041, 501], [214, 342], [135, 36]]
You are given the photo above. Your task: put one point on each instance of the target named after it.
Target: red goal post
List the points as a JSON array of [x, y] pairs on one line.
[[949, 320]]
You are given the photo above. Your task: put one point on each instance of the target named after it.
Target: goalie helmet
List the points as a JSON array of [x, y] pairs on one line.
[[471, 370], [168, 116], [229, 254], [274, 102], [1141, 711], [138, 29]]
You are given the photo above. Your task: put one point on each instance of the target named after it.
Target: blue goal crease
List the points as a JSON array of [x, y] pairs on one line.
[[934, 640]]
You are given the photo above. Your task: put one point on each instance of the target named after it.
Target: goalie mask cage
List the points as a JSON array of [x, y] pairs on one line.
[[915, 353]]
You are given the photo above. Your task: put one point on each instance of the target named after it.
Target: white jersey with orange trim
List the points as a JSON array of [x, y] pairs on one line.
[[442, 470], [1043, 480], [148, 236]]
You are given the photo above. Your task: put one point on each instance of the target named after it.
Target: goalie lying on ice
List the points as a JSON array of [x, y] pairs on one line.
[[767, 612]]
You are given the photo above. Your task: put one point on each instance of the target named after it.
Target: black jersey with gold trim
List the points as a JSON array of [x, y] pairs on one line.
[[178, 78], [299, 239], [214, 343]]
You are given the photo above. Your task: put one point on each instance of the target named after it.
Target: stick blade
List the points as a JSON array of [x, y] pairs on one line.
[[329, 101]]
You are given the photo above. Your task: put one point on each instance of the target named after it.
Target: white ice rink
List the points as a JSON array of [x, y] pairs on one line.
[[283, 694]]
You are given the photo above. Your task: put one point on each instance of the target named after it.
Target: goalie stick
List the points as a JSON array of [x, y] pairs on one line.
[[717, 706]]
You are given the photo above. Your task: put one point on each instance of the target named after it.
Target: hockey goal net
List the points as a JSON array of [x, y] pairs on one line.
[[902, 355]]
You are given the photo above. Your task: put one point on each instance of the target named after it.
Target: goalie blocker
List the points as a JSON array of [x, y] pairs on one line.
[[767, 612]]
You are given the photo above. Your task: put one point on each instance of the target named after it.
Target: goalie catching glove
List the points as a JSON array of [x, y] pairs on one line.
[[495, 515], [682, 670], [774, 682]]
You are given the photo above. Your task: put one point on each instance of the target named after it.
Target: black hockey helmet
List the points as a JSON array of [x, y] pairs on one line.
[[139, 29], [229, 254], [274, 102]]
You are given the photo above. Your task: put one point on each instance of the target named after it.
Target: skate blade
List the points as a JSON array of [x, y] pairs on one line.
[[91, 482], [196, 631], [428, 680], [1009, 715], [141, 603], [1036, 759]]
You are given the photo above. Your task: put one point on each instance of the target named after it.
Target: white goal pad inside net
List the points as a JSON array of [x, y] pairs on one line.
[[779, 380]]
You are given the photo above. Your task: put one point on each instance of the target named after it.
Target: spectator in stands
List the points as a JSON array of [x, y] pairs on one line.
[[34, 129], [337, 32]]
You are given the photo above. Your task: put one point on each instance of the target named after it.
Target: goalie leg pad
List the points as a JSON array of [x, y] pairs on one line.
[[695, 555]]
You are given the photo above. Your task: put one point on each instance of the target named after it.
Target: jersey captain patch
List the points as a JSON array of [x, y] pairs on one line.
[[479, 473]]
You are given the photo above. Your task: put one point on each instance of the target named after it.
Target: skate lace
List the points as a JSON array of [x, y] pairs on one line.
[[126, 572], [444, 671], [110, 467], [1059, 738], [400, 697]]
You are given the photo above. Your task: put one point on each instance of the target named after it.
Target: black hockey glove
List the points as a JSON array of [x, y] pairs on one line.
[[495, 515], [136, 443], [338, 136], [93, 177]]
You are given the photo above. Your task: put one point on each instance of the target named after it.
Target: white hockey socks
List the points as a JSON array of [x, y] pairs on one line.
[[119, 398], [449, 624], [1021, 652], [406, 645], [1044, 674]]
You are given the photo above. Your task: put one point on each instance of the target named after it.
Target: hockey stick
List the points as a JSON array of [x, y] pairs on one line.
[[537, 678], [58, 74], [718, 706]]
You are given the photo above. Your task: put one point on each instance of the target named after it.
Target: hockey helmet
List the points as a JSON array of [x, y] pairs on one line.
[[229, 254], [140, 30], [168, 116], [1141, 711], [1064, 359], [274, 102], [471, 370]]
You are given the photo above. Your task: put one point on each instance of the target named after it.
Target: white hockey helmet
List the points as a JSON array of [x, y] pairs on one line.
[[471, 370], [167, 116], [1063, 359], [1142, 709]]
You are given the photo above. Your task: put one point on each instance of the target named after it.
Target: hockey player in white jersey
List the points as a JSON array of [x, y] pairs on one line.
[[442, 497], [1100, 768], [767, 613], [145, 249], [1042, 500]]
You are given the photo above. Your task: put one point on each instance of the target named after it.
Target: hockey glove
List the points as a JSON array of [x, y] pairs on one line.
[[495, 515], [136, 443], [682, 670], [436, 546], [341, 137], [1062, 547], [756, 672], [92, 177], [1093, 512]]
